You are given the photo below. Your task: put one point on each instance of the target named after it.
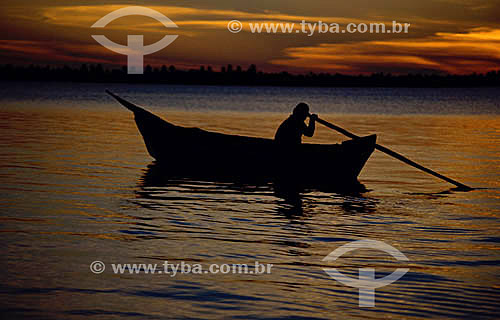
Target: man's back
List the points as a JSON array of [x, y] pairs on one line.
[[290, 131]]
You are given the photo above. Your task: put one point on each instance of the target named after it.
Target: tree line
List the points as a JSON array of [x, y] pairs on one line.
[[229, 75]]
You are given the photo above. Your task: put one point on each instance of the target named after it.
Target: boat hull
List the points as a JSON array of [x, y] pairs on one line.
[[198, 152]]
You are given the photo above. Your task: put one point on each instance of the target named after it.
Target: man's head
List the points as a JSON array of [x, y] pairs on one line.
[[301, 111]]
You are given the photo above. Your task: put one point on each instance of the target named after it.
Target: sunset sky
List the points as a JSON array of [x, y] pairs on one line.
[[455, 36]]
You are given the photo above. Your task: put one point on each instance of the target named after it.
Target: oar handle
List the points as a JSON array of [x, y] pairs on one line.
[[337, 128], [396, 155]]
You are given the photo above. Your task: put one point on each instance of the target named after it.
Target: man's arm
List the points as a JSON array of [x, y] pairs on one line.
[[309, 130]]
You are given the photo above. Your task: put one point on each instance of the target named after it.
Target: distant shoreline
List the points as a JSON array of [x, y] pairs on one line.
[[228, 76]]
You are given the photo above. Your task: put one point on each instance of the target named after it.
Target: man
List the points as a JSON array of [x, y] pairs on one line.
[[291, 130]]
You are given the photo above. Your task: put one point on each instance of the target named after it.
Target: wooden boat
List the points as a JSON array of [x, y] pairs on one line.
[[198, 152]]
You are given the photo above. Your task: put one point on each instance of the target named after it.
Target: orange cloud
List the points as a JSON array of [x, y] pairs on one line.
[[85, 16], [475, 51], [57, 52], [205, 40]]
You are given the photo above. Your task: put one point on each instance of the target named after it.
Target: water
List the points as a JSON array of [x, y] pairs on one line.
[[75, 188]]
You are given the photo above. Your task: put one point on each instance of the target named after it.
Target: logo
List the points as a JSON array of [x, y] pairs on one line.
[[97, 267], [366, 281], [135, 49], [234, 26]]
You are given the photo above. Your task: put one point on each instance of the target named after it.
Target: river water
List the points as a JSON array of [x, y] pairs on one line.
[[76, 187]]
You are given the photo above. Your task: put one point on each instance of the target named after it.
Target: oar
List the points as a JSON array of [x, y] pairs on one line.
[[398, 156]]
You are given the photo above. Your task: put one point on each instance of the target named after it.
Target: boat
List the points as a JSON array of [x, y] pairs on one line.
[[196, 152]]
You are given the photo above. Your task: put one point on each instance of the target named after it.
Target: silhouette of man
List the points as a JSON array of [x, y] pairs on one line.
[[291, 130]]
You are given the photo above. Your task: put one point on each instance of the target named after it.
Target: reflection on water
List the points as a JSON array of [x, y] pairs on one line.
[[158, 181], [76, 185]]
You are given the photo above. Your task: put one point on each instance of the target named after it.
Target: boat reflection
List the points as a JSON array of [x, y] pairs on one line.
[[292, 200]]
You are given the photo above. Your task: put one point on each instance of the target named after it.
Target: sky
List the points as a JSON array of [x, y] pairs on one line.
[[445, 36]]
